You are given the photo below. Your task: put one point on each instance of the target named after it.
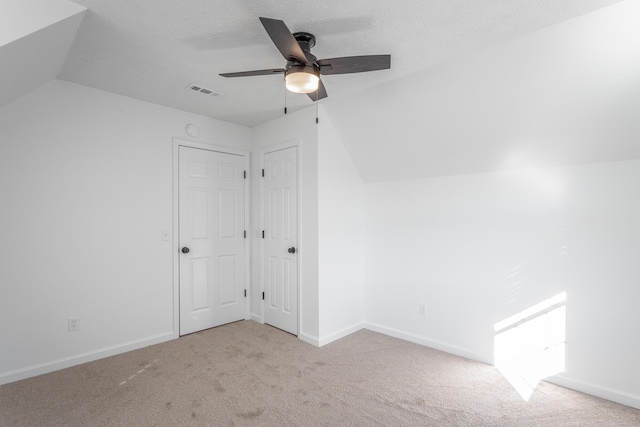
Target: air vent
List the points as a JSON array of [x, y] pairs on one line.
[[204, 90]]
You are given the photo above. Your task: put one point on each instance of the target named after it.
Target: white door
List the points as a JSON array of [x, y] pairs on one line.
[[281, 239], [211, 235]]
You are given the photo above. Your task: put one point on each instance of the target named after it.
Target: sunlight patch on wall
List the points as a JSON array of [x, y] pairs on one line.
[[530, 346]]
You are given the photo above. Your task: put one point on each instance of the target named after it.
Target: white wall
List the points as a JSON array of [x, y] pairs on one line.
[[340, 237], [86, 188], [299, 126], [480, 248]]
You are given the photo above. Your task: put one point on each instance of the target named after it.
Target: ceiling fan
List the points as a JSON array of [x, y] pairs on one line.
[[303, 69]]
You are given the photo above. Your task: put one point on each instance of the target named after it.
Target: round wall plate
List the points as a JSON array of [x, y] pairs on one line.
[[192, 130]]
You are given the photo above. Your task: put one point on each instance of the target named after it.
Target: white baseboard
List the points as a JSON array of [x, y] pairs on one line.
[[256, 318], [428, 342], [309, 339], [340, 334], [66, 362], [617, 396]]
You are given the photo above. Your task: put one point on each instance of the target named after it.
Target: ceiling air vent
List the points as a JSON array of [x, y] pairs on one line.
[[204, 90]]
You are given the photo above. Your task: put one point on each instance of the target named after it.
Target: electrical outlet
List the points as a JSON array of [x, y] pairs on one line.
[[74, 324], [422, 310]]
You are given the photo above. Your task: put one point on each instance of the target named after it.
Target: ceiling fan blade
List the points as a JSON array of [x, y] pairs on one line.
[[320, 94], [284, 40], [254, 73], [354, 64]]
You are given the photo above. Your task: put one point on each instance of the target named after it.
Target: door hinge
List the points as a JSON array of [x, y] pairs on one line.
[[263, 234], [245, 293], [245, 174], [245, 234], [263, 295], [262, 172]]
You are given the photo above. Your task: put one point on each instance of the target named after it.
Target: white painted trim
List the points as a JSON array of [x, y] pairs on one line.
[[340, 334], [309, 339], [175, 244], [295, 143], [247, 240], [617, 396], [67, 362], [256, 318], [428, 342], [210, 147], [177, 143]]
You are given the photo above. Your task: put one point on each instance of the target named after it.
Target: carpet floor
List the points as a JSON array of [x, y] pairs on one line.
[[250, 374]]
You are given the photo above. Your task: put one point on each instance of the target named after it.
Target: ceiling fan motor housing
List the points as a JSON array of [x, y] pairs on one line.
[[305, 40]]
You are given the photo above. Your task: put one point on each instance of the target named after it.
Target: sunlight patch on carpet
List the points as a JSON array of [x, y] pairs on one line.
[[530, 345]]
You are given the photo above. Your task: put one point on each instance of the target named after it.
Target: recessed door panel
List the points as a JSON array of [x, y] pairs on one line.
[[228, 281], [227, 214], [272, 276], [286, 286], [199, 210], [287, 233], [199, 278], [273, 214], [226, 171], [198, 169], [286, 168]]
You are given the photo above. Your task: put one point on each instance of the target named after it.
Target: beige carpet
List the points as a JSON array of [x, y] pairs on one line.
[[251, 374]]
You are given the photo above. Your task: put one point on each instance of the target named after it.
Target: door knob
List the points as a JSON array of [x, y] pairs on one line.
[[185, 250], [292, 250]]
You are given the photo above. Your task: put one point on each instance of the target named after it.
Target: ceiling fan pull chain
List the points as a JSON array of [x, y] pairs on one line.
[[317, 106], [285, 96]]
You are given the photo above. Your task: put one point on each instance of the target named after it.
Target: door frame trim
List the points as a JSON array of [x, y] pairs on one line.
[[278, 147], [175, 243]]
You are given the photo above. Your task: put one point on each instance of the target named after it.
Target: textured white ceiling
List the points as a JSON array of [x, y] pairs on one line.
[[153, 49]]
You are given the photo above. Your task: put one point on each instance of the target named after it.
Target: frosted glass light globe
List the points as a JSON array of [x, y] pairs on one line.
[[302, 82]]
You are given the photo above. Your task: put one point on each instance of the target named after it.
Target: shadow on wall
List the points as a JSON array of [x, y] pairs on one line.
[[530, 346]]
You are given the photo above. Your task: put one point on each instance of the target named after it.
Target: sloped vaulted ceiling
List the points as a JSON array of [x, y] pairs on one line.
[[152, 50], [567, 94], [35, 36]]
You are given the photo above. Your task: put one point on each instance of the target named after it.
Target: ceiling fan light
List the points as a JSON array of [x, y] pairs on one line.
[[302, 82]]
